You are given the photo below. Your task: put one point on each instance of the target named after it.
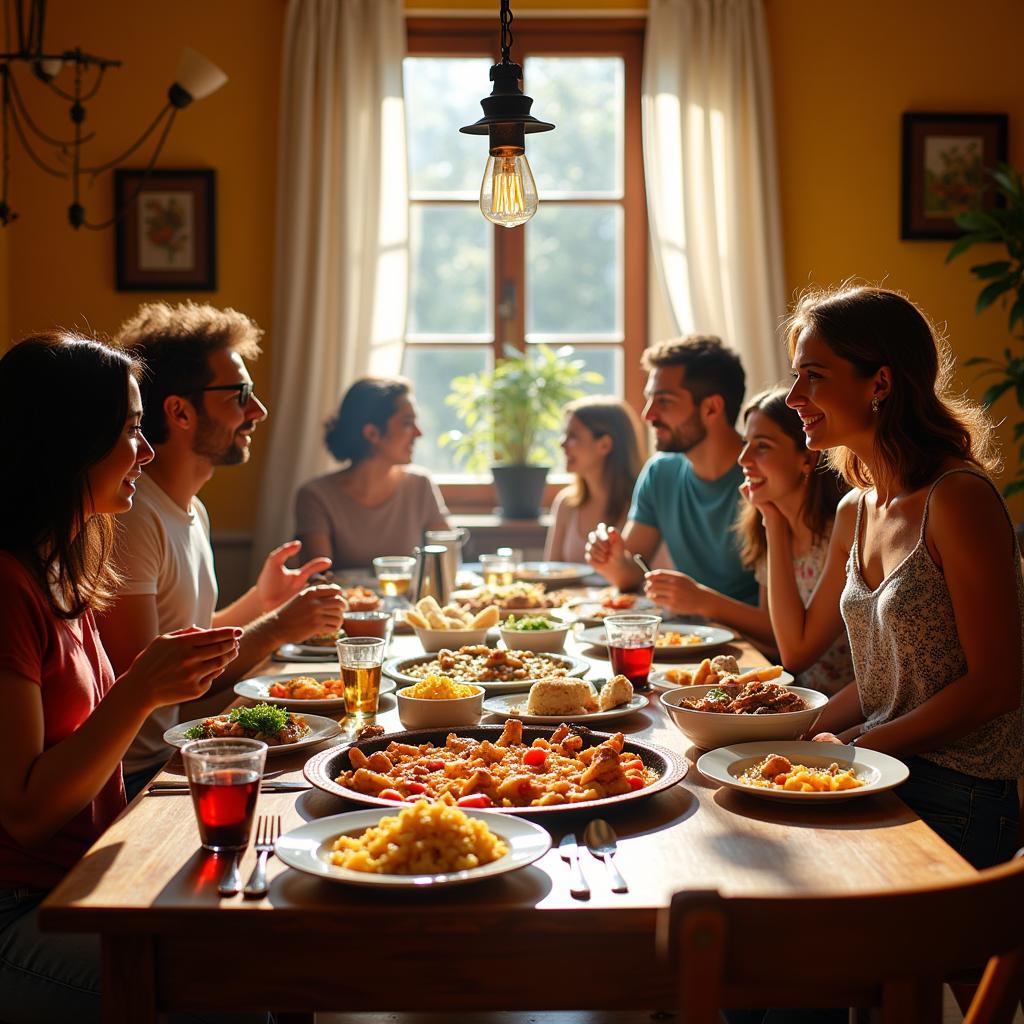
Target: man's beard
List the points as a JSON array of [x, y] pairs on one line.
[[683, 437], [218, 444]]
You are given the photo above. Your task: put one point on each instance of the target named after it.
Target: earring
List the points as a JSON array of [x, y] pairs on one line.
[[874, 403]]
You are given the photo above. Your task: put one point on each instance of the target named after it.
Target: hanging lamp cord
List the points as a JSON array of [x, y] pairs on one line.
[[506, 32]]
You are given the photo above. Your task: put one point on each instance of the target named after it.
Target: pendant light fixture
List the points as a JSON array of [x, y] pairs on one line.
[[508, 194]]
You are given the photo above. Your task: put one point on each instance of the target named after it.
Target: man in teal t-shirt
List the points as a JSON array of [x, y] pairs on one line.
[[688, 495]]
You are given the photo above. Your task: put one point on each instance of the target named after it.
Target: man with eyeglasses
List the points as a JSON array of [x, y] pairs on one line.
[[199, 412]]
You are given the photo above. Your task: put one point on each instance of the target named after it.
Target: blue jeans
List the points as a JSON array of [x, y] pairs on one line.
[[979, 818], [46, 977]]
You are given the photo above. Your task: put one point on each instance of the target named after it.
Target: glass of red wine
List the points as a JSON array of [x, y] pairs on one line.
[[224, 777], [631, 640]]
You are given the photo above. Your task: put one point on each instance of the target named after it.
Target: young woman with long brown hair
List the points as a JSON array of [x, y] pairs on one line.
[[602, 448], [923, 567], [777, 468]]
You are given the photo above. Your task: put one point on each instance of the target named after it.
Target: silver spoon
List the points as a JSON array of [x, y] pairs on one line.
[[600, 839]]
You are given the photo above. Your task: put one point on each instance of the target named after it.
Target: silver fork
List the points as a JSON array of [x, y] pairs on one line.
[[268, 828]]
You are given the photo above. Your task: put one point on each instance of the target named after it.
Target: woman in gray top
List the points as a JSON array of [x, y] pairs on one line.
[[923, 566], [377, 504]]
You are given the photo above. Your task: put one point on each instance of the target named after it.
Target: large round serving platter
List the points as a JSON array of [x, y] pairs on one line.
[[308, 848], [256, 687], [324, 768], [396, 669], [555, 573], [320, 730], [711, 637], [879, 771]]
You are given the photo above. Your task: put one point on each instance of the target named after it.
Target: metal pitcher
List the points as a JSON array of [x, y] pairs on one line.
[[452, 541], [429, 578]]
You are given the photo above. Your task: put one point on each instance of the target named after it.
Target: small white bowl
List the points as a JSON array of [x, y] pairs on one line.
[[449, 639], [541, 641], [420, 713], [710, 730]]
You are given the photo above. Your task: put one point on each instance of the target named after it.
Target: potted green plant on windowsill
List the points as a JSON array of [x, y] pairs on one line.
[[511, 416], [1003, 277]]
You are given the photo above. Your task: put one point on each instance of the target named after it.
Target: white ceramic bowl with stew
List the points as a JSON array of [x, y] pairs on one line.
[[440, 712], [712, 729], [541, 641]]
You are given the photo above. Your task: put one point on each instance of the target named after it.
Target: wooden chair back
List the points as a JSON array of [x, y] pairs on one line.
[[890, 949]]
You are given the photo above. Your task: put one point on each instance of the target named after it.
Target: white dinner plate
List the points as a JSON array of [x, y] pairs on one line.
[[555, 573], [256, 688], [593, 613], [305, 652], [396, 669], [658, 679], [711, 637], [513, 705], [879, 771], [320, 729], [308, 848]]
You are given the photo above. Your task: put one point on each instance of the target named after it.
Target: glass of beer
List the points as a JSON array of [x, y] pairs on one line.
[[631, 640], [224, 779], [394, 574], [360, 659], [497, 570]]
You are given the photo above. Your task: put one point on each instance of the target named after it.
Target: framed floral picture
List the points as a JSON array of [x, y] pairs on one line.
[[166, 231], [945, 157]]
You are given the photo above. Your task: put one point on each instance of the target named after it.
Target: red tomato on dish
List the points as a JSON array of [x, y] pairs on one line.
[[390, 794], [475, 800], [535, 757]]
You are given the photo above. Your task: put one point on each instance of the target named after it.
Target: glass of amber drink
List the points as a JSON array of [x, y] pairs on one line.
[[360, 659], [394, 574]]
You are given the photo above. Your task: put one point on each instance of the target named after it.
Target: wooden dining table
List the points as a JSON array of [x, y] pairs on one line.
[[517, 942]]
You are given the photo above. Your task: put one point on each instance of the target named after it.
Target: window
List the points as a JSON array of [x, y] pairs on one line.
[[576, 273]]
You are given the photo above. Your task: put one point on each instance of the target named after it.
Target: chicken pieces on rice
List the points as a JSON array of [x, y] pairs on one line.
[[505, 773]]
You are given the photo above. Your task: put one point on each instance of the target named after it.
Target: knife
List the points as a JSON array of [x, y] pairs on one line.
[[267, 787], [569, 852]]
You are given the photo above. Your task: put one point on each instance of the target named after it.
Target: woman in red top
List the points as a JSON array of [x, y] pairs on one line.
[[71, 453]]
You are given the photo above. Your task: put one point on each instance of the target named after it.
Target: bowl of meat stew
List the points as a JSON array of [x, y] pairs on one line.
[[716, 716]]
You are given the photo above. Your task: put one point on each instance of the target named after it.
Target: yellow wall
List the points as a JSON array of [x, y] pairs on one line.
[[59, 276], [843, 75]]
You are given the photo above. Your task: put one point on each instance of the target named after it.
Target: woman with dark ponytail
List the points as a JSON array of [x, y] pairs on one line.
[[377, 503]]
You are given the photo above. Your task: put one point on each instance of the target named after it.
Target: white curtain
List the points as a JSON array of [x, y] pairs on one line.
[[341, 259], [712, 190]]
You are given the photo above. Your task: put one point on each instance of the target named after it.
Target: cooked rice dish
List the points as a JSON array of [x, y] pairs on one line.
[[505, 773], [425, 838], [778, 772]]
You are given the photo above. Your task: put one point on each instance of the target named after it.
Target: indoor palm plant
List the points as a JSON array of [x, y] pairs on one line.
[[1003, 277], [511, 416]]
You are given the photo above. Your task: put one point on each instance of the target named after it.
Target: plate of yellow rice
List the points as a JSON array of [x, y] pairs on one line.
[[419, 845]]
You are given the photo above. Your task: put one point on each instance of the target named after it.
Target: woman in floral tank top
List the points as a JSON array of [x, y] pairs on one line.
[[922, 569]]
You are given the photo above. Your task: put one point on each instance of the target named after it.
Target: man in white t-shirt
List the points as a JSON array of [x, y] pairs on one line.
[[199, 413]]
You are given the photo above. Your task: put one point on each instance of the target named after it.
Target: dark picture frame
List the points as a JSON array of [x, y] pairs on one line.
[[945, 157], [166, 230]]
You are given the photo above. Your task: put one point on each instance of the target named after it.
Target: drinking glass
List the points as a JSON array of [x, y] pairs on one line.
[[497, 570], [378, 624], [631, 641], [360, 659], [224, 779], [394, 573]]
